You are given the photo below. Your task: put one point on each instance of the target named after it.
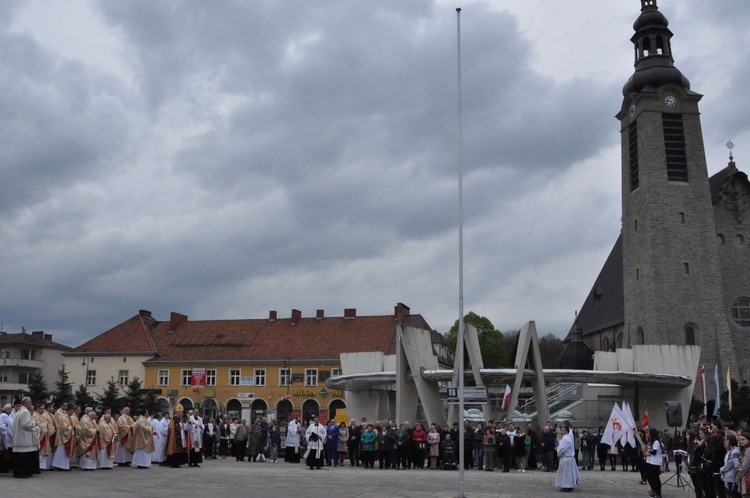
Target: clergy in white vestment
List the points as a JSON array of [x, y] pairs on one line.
[[316, 436], [143, 441], [291, 454], [567, 471], [195, 432], [160, 426]]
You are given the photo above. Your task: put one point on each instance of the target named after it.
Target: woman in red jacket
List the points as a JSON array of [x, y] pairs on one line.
[[419, 445]]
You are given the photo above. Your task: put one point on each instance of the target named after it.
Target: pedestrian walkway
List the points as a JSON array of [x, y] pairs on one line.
[[230, 478]]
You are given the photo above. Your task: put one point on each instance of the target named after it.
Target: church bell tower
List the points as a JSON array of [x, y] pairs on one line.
[[671, 270]]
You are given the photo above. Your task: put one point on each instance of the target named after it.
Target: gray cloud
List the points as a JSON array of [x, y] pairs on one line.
[[282, 155]]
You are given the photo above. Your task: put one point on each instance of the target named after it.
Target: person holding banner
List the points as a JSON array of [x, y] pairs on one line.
[[567, 472], [652, 465]]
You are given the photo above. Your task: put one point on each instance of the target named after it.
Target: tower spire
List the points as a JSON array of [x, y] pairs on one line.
[[654, 63]]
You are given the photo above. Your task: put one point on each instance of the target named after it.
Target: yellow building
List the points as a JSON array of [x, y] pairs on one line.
[[273, 367]]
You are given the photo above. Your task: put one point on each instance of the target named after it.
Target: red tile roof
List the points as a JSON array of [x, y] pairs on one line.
[[131, 337], [296, 338]]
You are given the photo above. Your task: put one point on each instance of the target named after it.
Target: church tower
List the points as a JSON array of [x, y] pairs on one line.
[[671, 270]]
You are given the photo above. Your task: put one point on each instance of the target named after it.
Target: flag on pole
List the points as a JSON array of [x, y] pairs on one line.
[[614, 431], [506, 397], [729, 384], [703, 389], [645, 422], [627, 414], [718, 394]]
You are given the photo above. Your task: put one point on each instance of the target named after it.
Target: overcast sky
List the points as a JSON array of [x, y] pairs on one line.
[[223, 159]]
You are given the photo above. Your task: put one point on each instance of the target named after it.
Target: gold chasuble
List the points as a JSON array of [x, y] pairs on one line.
[[125, 432], [107, 434], [143, 436], [88, 441], [64, 434]]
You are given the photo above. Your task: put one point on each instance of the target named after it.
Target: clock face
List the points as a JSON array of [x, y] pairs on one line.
[[632, 109], [670, 101]]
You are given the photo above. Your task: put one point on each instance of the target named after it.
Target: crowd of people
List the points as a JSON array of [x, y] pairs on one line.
[[44, 437], [40, 437]]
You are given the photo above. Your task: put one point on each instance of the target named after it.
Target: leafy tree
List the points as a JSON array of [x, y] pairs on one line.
[[38, 390], [63, 392], [550, 347], [740, 411], [83, 398], [110, 398], [136, 397], [494, 354]]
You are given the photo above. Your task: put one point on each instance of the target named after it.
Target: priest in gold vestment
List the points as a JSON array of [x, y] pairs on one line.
[[124, 452], [87, 448], [143, 441], [63, 439], [107, 440]]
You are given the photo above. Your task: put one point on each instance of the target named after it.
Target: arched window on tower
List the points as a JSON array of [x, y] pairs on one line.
[[689, 336], [639, 336]]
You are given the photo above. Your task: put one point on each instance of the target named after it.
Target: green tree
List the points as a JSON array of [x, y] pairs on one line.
[[740, 412], [494, 354], [63, 392], [38, 390], [550, 347], [136, 397], [83, 398], [110, 398]]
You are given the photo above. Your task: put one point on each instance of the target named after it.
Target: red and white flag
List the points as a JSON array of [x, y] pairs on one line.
[[645, 422], [506, 397]]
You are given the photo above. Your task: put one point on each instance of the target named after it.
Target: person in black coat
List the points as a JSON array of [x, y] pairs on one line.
[[355, 432], [504, 449], [468, 445]]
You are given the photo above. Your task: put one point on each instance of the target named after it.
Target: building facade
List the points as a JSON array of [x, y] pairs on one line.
[[273, 367], [680, 271], [22, 355]]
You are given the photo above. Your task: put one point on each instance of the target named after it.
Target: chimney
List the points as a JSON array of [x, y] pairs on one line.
[[296, 315], [175, 319], [39, 334], [401, 311], [272, 316], [48, 337], [145, 313], [319, 314], [350, 313]]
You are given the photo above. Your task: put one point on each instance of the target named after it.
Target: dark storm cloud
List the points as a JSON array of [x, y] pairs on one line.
[[59, 123], [238, 157]]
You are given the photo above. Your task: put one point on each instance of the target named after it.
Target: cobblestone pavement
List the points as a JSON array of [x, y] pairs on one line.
[[217, 478]]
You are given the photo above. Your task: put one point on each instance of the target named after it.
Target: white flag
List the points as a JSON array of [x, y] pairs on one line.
[[614, 430]]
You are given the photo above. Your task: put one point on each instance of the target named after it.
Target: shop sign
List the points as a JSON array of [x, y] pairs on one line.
[[247, 381], [171, 392], [323, 392], [303, 392], [242, 396]]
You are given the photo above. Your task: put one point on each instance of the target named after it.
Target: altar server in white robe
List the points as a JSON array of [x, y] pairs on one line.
[[160, 438], [567, 472]]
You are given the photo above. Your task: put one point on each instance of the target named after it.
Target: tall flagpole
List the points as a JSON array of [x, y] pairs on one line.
[[460, 336]]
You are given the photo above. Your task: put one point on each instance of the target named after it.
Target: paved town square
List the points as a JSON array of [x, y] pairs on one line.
[[231, 478]]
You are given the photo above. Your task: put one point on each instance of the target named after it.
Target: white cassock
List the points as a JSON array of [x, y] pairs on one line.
[[196, 432], [292, 435], [567, 471], [160, 440]]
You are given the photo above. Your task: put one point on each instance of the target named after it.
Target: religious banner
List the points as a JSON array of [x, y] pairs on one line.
[[198, 377]]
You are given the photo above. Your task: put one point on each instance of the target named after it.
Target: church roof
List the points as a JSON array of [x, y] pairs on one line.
[[604, 306], [719, 182]]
